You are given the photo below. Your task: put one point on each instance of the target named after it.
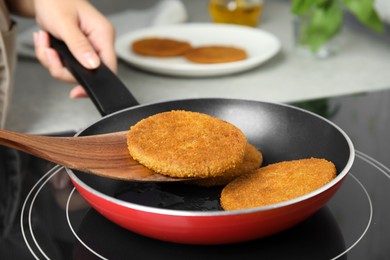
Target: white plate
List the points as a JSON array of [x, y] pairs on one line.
[[260, 46]]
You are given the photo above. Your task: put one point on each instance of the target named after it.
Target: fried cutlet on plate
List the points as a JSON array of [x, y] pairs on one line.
[[215, 54], [160, 47]]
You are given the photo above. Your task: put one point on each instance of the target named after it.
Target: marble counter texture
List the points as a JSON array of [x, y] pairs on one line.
[[41, 104]]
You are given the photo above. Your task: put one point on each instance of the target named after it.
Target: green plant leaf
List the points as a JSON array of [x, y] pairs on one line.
[[365, 12], [299, 7], [323, 23]]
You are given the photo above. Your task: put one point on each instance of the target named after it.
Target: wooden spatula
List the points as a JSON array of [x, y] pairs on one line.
[[105, 155]]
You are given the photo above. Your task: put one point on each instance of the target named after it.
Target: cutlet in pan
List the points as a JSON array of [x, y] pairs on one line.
[[276, 183], [186, 144], [253, 159]]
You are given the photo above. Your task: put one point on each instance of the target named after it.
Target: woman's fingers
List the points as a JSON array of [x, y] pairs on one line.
[[49, 58]]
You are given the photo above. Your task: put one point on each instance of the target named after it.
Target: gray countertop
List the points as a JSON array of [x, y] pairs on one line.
[[41, 104]]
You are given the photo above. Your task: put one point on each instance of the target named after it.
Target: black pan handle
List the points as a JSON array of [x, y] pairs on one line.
[[106, 90]]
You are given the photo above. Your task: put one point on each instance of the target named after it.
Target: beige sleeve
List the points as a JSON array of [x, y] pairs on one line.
[[7, 60]]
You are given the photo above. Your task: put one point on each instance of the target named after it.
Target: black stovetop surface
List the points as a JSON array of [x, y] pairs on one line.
[[55, 223]]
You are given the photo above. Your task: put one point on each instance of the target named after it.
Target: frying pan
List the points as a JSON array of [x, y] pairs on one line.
[[183, 213], [320, 235]]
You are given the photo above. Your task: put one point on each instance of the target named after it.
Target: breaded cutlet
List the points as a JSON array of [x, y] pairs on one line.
[[253, 159], [160, 47], [276, 183], [215, 54], [186, 144]]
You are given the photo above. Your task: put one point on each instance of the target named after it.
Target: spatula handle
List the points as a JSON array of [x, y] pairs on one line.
[[39, 146]]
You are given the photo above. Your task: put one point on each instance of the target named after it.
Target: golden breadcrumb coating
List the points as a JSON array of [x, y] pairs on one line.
[[253, 159], [160, 47], [186, 144], [215, 54], [276, 183]]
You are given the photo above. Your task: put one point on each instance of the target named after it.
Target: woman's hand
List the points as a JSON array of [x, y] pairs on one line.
[[87, 33]]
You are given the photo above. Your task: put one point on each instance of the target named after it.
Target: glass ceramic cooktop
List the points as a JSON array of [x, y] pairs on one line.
[[57, 224]]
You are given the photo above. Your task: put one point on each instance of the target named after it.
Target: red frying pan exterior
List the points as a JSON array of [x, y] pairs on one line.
[[206, 229], [279, 131]]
